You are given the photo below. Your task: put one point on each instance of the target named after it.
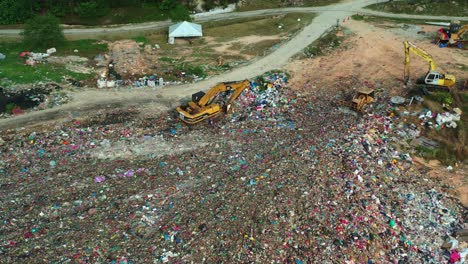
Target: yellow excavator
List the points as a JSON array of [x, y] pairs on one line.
[[453, 36], [434, 79], [206, 105]]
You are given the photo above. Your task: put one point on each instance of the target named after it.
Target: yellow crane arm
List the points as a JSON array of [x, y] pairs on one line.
[[223, 87], [212, 93], [462, 31], [421, 53]]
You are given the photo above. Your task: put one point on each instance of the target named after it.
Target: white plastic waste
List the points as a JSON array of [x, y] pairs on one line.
[[38, 56], [448, 118], [101, 83], [51, 50], [463, 254], [110, 84]]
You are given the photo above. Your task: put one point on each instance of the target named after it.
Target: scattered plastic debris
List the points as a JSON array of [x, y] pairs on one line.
[[284, 179]]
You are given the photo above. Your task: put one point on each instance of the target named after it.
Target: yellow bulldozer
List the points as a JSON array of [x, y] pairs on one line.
[[433, 80], [360, 100], [217, 100]]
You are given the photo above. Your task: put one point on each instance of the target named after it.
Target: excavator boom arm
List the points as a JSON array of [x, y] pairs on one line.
[[223, 87], [462, 31], [212, 93], [421, 53]]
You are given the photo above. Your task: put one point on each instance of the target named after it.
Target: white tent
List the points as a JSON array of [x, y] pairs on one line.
[[184, 29]]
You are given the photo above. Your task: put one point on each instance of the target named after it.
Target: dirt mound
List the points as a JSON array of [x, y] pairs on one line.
[[127, 58]]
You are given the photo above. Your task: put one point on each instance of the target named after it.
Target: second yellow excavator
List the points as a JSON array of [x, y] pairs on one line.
[[433, 79], [211, 103], [453, 36]]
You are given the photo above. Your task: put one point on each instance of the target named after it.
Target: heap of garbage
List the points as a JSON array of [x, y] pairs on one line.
[[286, 179]]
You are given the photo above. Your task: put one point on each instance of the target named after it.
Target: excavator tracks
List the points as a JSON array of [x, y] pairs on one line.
[[426, 89]]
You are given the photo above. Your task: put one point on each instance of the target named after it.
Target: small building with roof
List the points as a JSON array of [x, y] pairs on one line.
[[184, 29]]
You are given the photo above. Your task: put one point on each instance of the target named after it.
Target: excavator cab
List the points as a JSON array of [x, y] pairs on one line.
[[197, 96], [455, 26], [437, 79], [433, 78]]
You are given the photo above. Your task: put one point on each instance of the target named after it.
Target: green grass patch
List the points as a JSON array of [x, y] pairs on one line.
[[190, 69], [268, 4], [426, 152], [462, 67], [358, 17], [325, 44], [464, 97], [14, 69], [382, 20], [441, 97], [443, 153], [265, 26], [166, 59], [424, 7], [20, 73], [86, 48], [141, 39], [9, 108]]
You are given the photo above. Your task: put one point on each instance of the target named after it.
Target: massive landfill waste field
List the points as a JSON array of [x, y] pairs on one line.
[[286, 179], [289, 177]]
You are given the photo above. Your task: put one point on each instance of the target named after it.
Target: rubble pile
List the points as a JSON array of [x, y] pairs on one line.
[[126, 58], [285, 179], [72, 63]]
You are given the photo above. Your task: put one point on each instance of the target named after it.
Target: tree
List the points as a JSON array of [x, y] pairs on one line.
[[167, 5], [43, 32], [15, 11], [180, 13], [89, 9]]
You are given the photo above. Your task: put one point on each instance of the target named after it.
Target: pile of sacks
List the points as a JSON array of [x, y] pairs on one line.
[[447, 119], [34, 57]]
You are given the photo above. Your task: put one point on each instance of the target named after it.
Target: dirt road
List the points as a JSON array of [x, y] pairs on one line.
[[170, 95], [355, 6]]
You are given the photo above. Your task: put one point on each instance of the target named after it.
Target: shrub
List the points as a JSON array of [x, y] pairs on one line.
[[180, 13], [9, 107], [442, 97], [43, 32], [167, 5], [92, 9], [14, 12]]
